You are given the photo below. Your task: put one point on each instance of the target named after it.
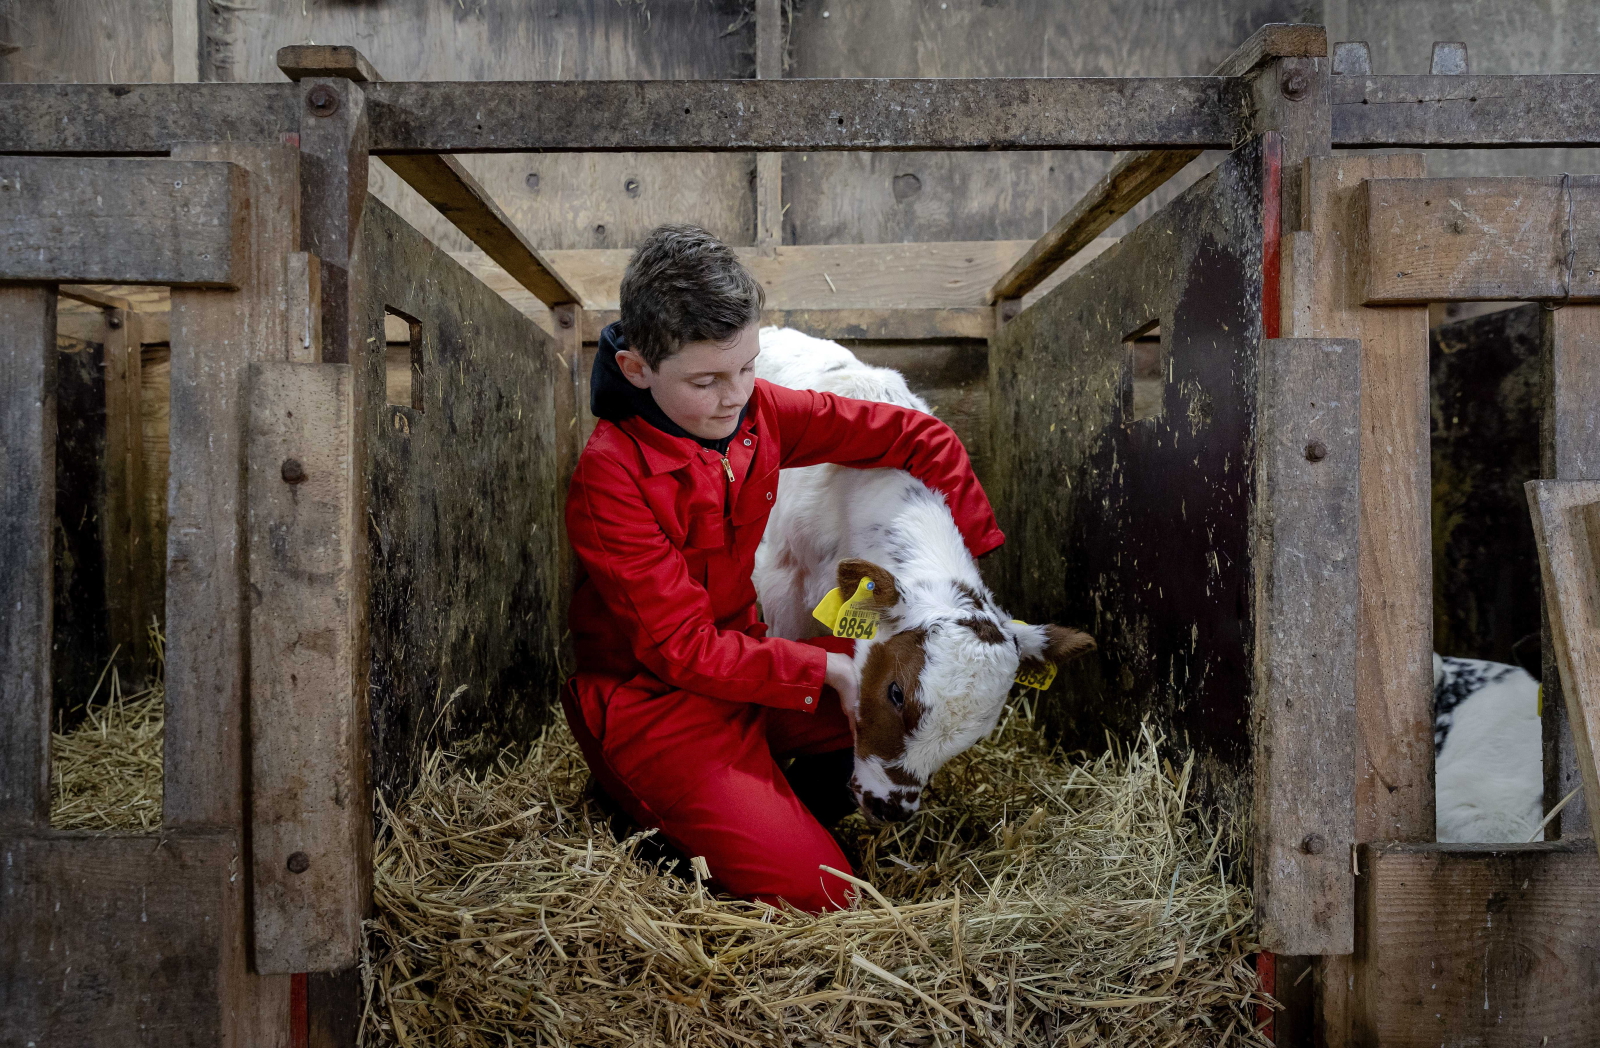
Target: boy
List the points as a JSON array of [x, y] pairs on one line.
[[682, 704]]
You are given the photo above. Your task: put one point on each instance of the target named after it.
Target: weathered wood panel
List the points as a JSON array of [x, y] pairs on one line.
[[1394, 682], [1566, 525], [1487, 945], [311, 826], [465, 506], [88, 41], [1570, 450], [1483, 239], [1307, 498], [1467, 110], [126, 941], [27, 510], [1486, 388], [1140, 531], [121, 221]]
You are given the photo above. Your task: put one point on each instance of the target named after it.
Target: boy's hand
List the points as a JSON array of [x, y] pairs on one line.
[[843, 679]]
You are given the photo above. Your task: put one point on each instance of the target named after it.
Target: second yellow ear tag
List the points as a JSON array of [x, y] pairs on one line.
[[1041, 675], [853, 619]]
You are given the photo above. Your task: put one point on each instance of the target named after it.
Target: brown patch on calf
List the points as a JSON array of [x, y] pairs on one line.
[[880, 728], [986, 630], [884, 592], [971, 596]]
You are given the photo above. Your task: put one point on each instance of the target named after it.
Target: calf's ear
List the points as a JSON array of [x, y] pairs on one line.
[[1051, 643], [884, 592]]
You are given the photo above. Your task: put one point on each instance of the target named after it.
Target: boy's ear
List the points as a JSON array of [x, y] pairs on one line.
[[851, 572], [633, 368]]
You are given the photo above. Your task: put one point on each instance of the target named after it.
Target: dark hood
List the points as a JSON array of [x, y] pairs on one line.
[[613, 398]]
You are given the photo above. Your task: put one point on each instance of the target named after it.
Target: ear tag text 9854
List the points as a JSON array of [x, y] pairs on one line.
[[854, 619]]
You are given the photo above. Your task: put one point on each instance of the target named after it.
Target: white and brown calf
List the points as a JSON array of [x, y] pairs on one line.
[[936, 676]]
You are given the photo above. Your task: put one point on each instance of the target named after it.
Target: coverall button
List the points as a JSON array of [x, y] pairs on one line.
[[746, 441], [808, 700], [769, 496]]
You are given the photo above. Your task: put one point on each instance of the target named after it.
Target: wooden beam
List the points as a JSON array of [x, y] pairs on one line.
[[27, 515], [1309, 470], [1138, 175], [1483, 239], [1394, 623], [1566, 525], [967, 323], [1460, 111], [769, 166], [333, 191], [307, 739], [881, 115], [1491, 945], [85, 221], [442, 182]]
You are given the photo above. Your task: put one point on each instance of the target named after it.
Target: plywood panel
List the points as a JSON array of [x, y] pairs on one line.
[[87, 41], [869, 198]]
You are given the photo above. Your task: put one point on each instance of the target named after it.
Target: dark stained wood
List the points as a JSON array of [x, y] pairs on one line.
[[1304, 717], [141, 119], [28, 360], [1486, 387], [1490, 945], [122, 221], [307, 660], [1460, 111], [1141, 531], [465, 615], [333, 190]]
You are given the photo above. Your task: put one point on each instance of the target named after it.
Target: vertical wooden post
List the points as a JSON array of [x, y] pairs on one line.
[[769, 166], [572, 390], [126, 599], [333, 181], [27, 510], [1570, 450]]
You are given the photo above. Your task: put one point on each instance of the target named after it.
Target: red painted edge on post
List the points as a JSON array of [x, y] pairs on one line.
[[1267, 972], [1271, 233], [299, 1021]]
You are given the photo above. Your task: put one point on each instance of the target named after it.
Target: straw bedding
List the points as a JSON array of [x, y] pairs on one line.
[[105, 774], [1034, 901]]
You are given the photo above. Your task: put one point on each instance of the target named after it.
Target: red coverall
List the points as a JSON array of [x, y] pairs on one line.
[[680, 701]]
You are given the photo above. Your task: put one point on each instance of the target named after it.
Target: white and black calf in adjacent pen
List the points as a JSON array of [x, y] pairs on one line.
[[1489, 768]]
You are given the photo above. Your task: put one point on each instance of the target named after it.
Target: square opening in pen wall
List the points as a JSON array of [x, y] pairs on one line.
[[1144, 373], [402, 336]]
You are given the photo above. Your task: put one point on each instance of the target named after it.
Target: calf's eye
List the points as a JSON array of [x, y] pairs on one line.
[[896, 696]]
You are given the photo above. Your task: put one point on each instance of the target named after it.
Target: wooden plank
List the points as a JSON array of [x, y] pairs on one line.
[[1394, 678], [1489, 945], [127, 602], [1566, 525], [1138, 175], [1483, 239], [769, 166], [27, 511], [813, 114], [309, 828], [1461, 111], [215, 336], [1304, 718], [865, 325], [333, 190], [1570, 450], [126, 940], [442, 181], [125, 221]]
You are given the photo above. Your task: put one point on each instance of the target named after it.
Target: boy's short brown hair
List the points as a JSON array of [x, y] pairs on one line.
[[684, 285]]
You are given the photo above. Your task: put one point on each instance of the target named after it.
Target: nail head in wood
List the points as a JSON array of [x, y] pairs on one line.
[[299, 862], [322, 101], [293, 472], [1314, 844], [1449, 59], [113, 320], [1352, 58], [1316, 451], [564, 318]]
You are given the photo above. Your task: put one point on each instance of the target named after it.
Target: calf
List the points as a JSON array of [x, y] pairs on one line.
[[935, 677], [1489, 767]]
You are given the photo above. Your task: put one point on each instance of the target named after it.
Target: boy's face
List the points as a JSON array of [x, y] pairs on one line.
[[704, 385]]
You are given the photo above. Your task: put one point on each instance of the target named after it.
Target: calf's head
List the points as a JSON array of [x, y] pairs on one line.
[[934, 680]]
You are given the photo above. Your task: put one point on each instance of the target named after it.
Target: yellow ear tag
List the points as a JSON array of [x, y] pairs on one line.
[[1041, 678], [854, 619]]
